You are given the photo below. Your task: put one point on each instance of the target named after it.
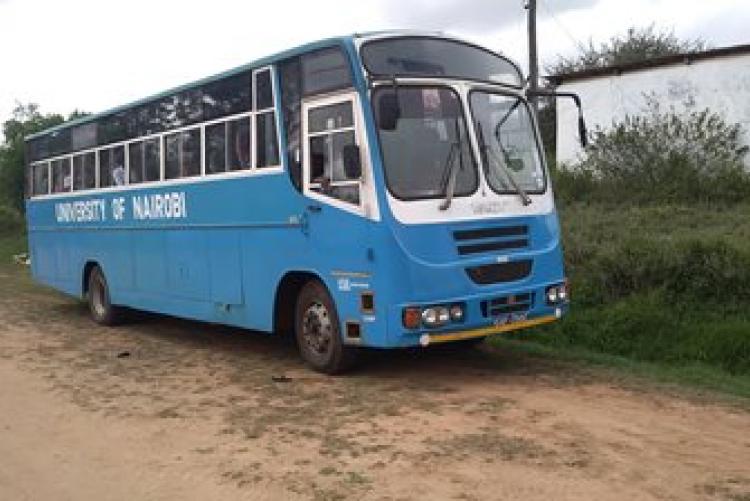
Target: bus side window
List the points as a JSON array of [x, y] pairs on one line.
[[267, 143], [84, 175], [41, 179], [239, 144], [291, 105], [118, 165], [266, 140], [105, 169], [182, 154], [61, 175], [112, 167], [135, 162], [216, 148], [330, 131], [151, 160], [143, 158], [171, 156]]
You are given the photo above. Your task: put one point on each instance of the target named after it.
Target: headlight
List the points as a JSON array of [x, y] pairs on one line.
[[443, 315], [457, 313], [435, 316], [556, 294], [430, 317]]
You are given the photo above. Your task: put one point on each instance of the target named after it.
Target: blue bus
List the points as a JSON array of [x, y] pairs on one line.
[[377, 190]]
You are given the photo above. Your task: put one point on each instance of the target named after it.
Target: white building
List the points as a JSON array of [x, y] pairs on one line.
[[718, 79]]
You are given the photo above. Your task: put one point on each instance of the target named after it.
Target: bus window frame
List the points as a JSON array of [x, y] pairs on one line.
[[275, 169], [367, 206]]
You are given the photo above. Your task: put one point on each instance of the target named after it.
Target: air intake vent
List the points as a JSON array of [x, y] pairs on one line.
[[500, 272], [517, 303], [501, 238]]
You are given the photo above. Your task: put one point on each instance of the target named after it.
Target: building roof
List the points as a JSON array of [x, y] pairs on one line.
[[686, 58]]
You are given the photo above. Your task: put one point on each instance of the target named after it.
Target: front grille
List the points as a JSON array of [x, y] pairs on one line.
[[514, 303], [499, 238], [500, 272]]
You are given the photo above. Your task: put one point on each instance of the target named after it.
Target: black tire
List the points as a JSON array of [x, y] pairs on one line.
[[318, 332], [101, 309]]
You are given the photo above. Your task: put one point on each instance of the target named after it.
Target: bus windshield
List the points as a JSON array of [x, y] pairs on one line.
[[429, 141], [510, 153], [433, 57]]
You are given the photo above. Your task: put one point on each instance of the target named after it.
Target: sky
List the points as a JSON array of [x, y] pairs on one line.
[[93, 55]]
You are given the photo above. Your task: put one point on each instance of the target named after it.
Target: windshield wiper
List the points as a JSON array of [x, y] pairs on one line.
[[505, 118], [449, 171], [487, 151]]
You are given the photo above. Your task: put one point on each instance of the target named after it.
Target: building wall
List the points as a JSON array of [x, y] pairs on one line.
[[721, 84]]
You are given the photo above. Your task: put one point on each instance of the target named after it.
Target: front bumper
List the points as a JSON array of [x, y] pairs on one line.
[[446, 337], [481, 318]]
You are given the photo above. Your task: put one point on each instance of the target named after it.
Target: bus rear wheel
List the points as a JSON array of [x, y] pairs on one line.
[[102, 310], [318, 331]]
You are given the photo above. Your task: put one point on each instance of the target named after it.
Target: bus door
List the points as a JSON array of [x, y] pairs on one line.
[[335, 179]]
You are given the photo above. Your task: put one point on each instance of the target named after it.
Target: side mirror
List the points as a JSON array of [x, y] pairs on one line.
[[389, 111], [352, 161], [582, 132]]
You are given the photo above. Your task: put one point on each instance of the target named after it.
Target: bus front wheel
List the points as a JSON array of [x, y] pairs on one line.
[[318, 331], [102, 310]]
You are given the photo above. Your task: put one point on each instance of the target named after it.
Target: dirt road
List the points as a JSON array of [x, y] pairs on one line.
[[167, 409]]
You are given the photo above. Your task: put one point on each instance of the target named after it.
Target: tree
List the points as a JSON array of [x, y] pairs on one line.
[[26, 120], [636, 45]]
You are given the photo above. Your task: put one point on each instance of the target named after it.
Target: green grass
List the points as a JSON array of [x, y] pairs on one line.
[[692, 379], [663, 291], [10, 245]]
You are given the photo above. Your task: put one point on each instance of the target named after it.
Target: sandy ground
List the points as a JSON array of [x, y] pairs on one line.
[[193, 412]]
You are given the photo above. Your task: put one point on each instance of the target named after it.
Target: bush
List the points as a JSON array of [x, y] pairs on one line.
[[667, 284], [696, 255], [660, 157], [647, 327], [11, 221]]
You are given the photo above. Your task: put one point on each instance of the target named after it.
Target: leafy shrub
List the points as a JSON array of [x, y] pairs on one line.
[[660, 157], [711, 272], [647, 327], [663, 283], [11, 222]]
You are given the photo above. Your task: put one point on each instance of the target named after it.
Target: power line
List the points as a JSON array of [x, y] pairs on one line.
[[548, 10]]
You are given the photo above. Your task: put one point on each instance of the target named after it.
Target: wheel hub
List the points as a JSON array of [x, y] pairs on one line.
[[317, 330]]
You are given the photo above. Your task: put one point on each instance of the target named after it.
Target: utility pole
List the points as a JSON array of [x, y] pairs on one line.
[[533, 60]]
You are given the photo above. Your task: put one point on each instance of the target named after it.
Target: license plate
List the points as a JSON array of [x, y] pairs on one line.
[[511, 318]]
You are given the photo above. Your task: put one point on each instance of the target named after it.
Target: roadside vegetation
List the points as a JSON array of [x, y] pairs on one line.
[[656, 232]]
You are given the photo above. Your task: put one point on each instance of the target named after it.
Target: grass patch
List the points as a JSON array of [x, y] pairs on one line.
[[691, 379], [662, 291], [650, 327], [10, 245]]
